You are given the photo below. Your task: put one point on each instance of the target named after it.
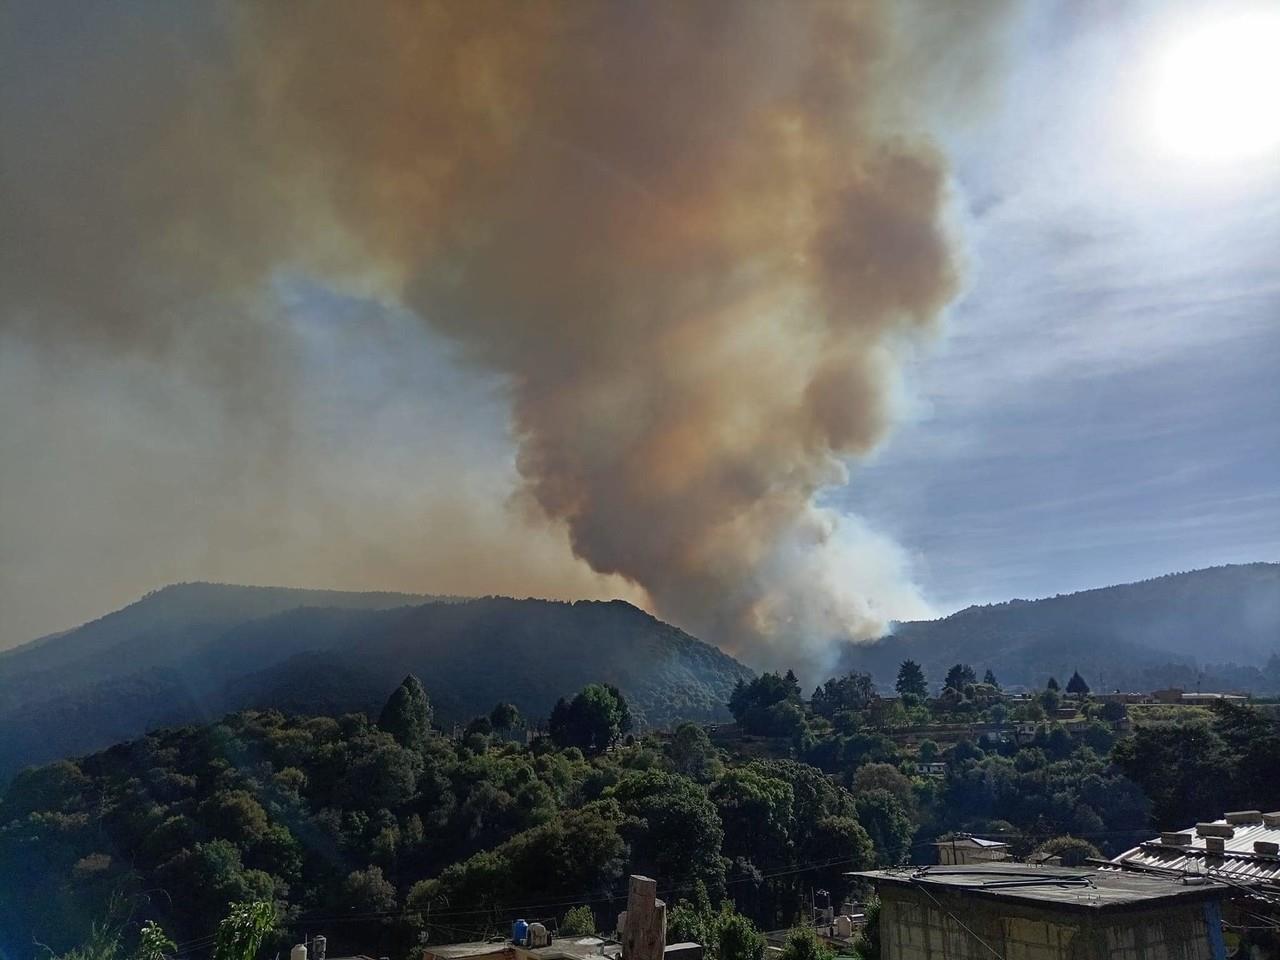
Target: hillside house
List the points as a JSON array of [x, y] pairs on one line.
[[1020, 912], [1175, 695], [964, 849]]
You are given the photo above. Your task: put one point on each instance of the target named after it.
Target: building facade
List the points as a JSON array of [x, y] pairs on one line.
[[1017, 912]]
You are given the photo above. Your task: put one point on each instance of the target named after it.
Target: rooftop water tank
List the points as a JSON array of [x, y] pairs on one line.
[[318, 946], [519, 931], [299, 952], [538, 935], [844, 927]]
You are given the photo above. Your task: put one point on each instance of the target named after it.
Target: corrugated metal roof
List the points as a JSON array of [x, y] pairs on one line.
[[1238, 860], [975, 841]]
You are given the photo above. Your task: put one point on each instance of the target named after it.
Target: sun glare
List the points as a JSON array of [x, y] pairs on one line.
[[1215, 88]]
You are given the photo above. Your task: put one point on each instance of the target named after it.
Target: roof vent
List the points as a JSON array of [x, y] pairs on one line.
[[1176, 839], [1215, 830], [1271, 819], [1245, 816], [1215, 844], [1266, 847]]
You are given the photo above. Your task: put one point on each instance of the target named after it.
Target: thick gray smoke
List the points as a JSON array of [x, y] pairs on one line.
[[692, 238]]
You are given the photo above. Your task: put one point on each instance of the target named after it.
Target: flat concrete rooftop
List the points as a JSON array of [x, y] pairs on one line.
[[1082, 889], [560, 948]]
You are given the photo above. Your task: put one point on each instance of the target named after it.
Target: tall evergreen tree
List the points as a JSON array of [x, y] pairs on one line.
[[407, 714], [911, 680], [1052, 684], [960, 675], [990, 680], [1076, 685]]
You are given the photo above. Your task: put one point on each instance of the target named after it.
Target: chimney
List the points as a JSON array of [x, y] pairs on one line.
[[1221, 830], [1267, 848], [1271, 819], [1215, 845], [1176, 839], [1244, 816], [645, 936]]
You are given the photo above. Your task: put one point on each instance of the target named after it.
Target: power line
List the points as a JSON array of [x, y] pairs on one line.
[[917, 882]]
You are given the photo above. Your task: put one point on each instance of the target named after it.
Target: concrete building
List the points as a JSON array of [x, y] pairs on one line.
[[1018, 912], [1243, 850], [1176, 695], [968, 849]]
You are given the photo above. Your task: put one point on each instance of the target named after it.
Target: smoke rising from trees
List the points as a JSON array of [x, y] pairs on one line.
[[692, 240]]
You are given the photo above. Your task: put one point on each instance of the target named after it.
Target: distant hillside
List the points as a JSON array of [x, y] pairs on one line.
[[190, 653], [1219, 626]]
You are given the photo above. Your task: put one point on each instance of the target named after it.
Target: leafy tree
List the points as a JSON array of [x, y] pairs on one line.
[[802, 943], [887, 777], [674, 829], [241, 934], [1050, 699], [911, 681], [990, 680], [593, 721], [578, 922], [756, 811], [505, 717], [691, 922], [929, 751], [854, 691], [154, 943], [479, 726], [692, 754], [367, 891], [1114, 712], [768, 706], [1052, 684], [959, 676], [734, 937], [888, 825], [1076, 685], [407, 714]]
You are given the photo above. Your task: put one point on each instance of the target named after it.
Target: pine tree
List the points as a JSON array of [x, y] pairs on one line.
[[407, 715], [911, 680], [1076, 685], [1052, 684], [990, 680]]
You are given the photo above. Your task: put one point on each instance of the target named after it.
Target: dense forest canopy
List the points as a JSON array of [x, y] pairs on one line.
[[383, 831]]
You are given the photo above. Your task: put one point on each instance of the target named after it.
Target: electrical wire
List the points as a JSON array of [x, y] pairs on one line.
[[918, 882]]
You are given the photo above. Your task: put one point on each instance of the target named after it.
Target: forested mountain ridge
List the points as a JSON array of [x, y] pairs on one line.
[[192, 652], [1219, 625]]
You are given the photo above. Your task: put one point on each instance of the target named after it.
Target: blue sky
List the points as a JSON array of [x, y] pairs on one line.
[[1103, 405]]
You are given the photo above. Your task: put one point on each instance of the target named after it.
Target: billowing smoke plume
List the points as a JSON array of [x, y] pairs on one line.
[[692, 238]]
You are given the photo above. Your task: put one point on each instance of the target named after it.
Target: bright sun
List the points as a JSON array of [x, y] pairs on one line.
[[1215, 88]]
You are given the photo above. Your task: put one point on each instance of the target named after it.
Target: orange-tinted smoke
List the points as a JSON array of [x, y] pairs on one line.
[[686, 233]]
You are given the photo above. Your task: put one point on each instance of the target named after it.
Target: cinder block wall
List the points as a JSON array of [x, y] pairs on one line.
[[913, 927]]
